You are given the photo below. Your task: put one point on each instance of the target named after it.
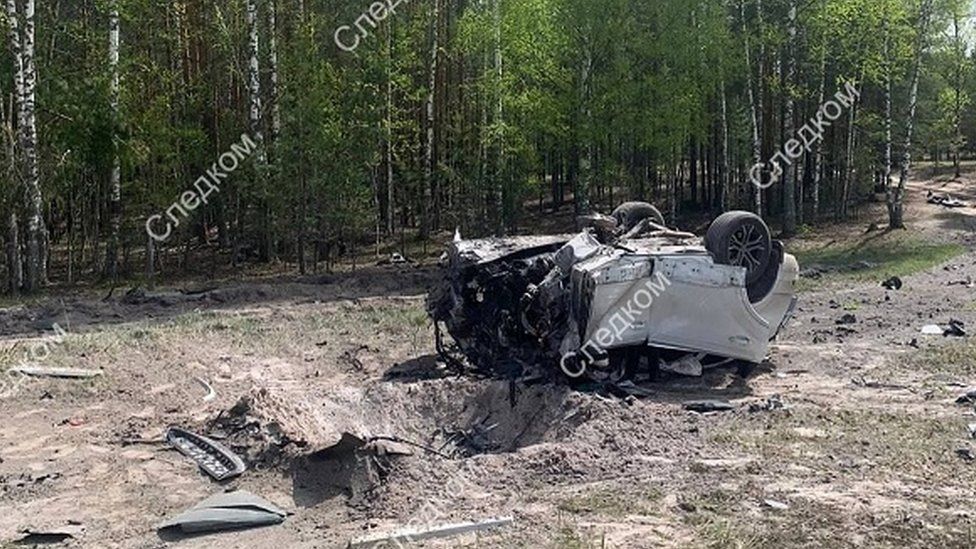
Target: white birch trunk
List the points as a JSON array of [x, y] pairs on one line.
[[115, 181], [819, 150], [390, 195], [25, 80], [726, 176], [275, 129], [497, 180], [789, 181], [753, 109], [429, 190], [254, 126], [896, 218], [254, 81], [887, 117]]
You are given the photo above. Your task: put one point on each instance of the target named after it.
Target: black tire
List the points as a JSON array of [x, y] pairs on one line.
[[629, 214], [761, 288], [741, 239]]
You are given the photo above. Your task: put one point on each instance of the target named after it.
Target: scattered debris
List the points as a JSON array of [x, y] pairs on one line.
[[63, 373], [388, 446], [893, 283], [631, 389], [214, 458], [211, 394], [968, 398], [395, 258], [945, 201], [49, 535], [848, 318], [972, 430], [966, 454], [418, 534], [688, 365], [351, 357], [777, 505], [967, 282], [956, 328], [227, 511], [774, 402], [704, 406], [873, 384]]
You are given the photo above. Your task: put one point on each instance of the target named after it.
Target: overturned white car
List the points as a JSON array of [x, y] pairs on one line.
[[626, 294]]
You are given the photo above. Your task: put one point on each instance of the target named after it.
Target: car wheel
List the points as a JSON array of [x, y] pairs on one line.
[[629, 214], [762, 287], [741, 239]]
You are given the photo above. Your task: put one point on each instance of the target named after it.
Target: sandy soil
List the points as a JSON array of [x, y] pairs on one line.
[[852, 426]]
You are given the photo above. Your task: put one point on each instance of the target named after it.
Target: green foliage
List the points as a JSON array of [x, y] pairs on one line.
[[598, 96]]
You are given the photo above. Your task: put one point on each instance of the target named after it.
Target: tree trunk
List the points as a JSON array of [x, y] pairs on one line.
[[25, 79], [585, 155], [725, 177], [430, 191], [254, 123], [274, 104], [390, 205], [960, 59], [789, 182], [896, 218], [849, 171], [115, 181], [886, 175], [498, 176], [818, 156], [150, 262], [15, 275], [753, 109]]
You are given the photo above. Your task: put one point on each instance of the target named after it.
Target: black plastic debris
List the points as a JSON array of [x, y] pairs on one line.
[[893, 283], [774, 402], [968, 398], [34, 537], [966, 454], [956, 328], [227, 511], [848, 318], [214, 458], [708, 406]]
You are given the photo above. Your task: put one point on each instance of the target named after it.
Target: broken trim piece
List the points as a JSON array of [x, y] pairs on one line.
[[63, 373], [408, 535], [214, 458]]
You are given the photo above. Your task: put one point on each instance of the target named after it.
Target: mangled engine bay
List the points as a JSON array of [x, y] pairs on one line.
[[624, 295]]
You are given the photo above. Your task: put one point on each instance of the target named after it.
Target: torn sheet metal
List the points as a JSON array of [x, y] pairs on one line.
[[227, 511]]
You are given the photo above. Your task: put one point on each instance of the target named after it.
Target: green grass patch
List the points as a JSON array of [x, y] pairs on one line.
[[610, 502], [873, 258], [957, 359]]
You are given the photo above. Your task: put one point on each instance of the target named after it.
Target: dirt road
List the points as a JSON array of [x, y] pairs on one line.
[[849, 436]]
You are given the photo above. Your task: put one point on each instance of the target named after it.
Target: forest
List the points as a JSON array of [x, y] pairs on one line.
[[381, 125]]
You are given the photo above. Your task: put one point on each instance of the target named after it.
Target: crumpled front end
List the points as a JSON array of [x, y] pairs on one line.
[[505, 301]]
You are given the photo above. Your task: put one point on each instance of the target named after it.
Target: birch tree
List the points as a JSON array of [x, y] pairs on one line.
[[754, 98], [896, 196], [25, 80], [254, 120], [115, 178], [430, 190], [789, 181]]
